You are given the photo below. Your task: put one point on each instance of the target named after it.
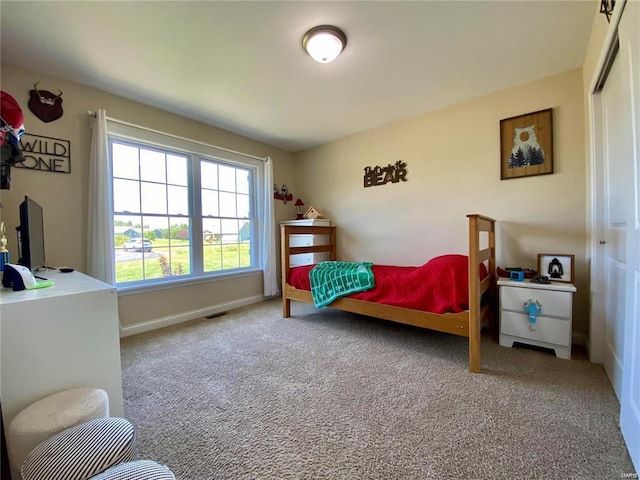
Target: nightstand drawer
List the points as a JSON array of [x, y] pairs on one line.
[[308, 258], [549, 330], [554, 303], [308, 240]]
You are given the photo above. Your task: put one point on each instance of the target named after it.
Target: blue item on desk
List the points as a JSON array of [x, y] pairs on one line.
[[4, 260], [517, 275]]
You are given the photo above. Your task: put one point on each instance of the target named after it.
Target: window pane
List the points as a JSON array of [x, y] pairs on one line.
[[125, 161], [227, 204], [230, 257], [229, 231], [154, 198], [180, 231], [152, 265], [244, 235], [242, 180], [177, 173], [245, 255], [227, 178], [180, 261], [210, 231], [125, 227], [152, 166], [155, 228], [209, 175], [129, 269], [126, 195], [158, 225], [212, 255], [210, 203], [178, 200], [243, 206]]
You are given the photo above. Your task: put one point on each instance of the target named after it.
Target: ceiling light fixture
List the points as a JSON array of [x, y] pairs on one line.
[[324, 43]]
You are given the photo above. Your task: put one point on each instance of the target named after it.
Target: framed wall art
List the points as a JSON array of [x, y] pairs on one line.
[[526, 145], [559, 267]]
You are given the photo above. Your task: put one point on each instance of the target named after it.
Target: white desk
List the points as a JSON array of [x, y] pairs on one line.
[[59, 337]]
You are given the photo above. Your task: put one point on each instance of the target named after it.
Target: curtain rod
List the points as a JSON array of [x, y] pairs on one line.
[[91, 113]]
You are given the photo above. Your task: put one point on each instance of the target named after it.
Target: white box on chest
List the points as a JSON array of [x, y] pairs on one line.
[[536, 314]]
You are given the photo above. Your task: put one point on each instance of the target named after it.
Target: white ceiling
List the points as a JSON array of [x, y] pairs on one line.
[[240, 66]]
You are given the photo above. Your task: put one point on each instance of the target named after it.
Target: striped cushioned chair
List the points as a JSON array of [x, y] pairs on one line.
[[82, 452], [139, 470]]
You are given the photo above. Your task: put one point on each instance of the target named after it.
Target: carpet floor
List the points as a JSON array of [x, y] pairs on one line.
[[332, 395]]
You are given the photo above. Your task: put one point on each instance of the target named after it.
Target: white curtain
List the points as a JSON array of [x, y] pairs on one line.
[[100, 229], [271, 286]]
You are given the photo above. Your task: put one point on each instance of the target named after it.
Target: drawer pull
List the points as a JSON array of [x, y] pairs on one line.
[[533, 308]]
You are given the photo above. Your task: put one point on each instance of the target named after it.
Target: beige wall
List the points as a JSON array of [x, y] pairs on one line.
[[452, 157], [64, 196]]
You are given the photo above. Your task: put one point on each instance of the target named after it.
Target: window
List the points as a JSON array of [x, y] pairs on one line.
[[180, 209]]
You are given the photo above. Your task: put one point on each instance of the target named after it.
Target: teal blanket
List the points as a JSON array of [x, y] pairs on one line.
[[332, 280]]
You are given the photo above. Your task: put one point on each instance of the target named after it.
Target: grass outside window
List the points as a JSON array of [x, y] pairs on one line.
[[172, 258]]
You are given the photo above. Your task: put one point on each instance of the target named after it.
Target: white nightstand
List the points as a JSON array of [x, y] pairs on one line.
[[552, 327]]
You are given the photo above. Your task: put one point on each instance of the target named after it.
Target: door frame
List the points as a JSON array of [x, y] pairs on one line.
[[595, 344]]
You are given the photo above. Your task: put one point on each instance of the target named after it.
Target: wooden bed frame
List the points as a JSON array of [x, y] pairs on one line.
[[482, 294]]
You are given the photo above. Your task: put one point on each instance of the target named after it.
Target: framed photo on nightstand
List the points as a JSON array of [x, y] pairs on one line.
[[559, 267]]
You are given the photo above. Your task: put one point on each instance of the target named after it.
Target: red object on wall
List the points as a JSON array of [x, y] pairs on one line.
[[282, 193], [284, 198]]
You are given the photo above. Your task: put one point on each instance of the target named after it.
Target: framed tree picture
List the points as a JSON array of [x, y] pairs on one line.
[[526, 145]]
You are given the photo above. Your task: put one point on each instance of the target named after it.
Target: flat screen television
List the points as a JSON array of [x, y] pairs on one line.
[[31, 235]]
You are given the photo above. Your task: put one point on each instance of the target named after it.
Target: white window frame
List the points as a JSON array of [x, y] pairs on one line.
[[196, 151]]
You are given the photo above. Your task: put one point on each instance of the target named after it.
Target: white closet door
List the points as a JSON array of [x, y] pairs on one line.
[[617, 195]]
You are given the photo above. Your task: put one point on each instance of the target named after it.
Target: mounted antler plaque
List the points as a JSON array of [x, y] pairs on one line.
[[44, 104]]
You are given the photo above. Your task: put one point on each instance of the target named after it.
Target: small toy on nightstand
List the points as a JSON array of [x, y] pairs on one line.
[[543, 279]]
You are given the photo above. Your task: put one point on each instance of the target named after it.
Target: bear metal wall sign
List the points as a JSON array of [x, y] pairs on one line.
[[44, 104], [374, 176]]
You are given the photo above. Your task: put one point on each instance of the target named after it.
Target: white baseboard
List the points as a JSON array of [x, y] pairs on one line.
[[186, 316]]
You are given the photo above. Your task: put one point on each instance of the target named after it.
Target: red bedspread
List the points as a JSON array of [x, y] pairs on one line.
[[439, 286]]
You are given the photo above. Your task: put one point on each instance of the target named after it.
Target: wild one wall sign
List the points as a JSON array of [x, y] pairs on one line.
[[45, 153], [526, 145], [375, 176]]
